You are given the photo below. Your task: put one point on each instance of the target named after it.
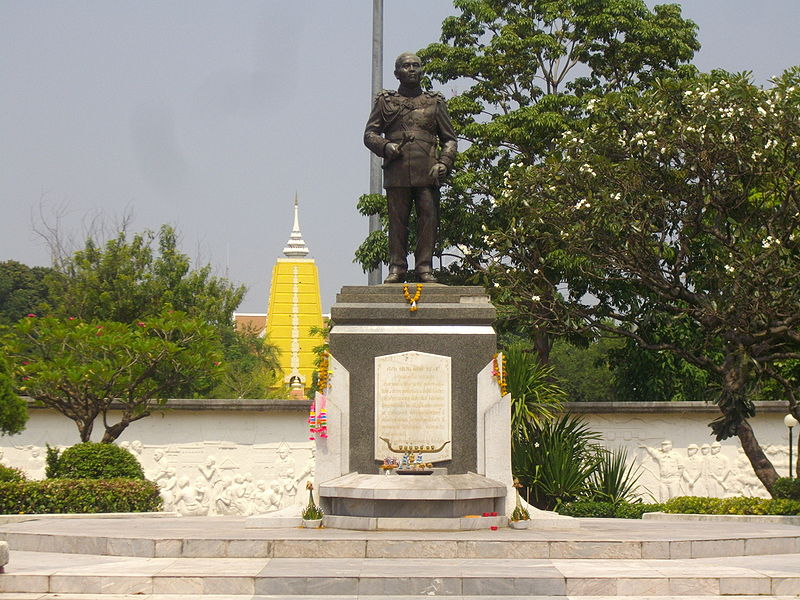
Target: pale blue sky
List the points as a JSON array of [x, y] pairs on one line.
[[210, 115]]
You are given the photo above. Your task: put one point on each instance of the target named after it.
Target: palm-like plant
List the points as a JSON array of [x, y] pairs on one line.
[[614, 479], [535, 395]]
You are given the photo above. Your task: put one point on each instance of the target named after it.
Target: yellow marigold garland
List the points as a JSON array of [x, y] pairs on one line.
[[500, 372], [412, 300]]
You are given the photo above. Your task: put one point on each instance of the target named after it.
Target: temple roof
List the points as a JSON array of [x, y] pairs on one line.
[[295, 247]]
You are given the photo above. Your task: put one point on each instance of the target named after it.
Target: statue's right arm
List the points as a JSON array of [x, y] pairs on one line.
[[373, 132]]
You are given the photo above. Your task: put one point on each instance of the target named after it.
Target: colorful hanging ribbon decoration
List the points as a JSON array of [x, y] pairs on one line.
[[318, 416]]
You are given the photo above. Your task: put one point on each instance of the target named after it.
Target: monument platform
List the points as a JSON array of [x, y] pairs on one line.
[[408, 501], [218, 557]]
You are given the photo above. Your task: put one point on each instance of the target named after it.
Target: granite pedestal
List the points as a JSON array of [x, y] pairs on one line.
[[430, 371]]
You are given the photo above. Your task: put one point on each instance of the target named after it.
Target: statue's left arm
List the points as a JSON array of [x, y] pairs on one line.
[[447, 136]]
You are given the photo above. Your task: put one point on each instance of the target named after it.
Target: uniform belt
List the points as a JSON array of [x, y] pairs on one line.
[[419, 136]]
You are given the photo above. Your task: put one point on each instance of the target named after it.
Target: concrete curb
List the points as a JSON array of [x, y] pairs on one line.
[[780, 519], [38, 517]]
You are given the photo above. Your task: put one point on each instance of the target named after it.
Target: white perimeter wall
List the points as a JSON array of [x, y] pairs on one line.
[[254, 456]]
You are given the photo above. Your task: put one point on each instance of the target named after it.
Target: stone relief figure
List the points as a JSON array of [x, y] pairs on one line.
[[261, 503], [275, 496], [694, 471], [159, 470], [289, 487], [745, 481], [186, 500], [670, 468], [719, 470], [203, 497], [240, 504], [309, 471], [223, 502], [168, 486], [136, 449], [284, 462]]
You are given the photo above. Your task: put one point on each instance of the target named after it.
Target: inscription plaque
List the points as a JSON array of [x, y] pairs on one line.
[[412, 402]]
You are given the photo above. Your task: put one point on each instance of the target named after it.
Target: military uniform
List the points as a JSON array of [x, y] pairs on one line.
[[421, 126]]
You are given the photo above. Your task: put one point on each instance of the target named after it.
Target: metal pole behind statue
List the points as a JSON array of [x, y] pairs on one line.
[[375, 276]]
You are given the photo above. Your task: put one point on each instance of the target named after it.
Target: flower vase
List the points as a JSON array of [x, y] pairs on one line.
[[312, 523]]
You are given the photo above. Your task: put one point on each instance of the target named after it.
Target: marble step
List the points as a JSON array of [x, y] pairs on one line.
[[506, 543], [37, 596], [774, 575]]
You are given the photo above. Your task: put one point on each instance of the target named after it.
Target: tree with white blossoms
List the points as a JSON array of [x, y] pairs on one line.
[[672, 218], [527, 68]]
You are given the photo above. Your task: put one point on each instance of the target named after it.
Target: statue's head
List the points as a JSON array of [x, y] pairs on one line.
[[666, 446], [692, 449], [408, 68]]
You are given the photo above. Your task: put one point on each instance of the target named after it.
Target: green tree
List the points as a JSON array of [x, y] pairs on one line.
[[23, 290], [678, 204], [129, 278], [89, 369], [13, 411], [587, 373], [530, 67], [250, 366]]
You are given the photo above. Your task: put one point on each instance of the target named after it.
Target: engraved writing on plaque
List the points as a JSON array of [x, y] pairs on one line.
[[412, 402]]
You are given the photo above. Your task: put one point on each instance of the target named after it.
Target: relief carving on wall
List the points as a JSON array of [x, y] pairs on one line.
[[194, 482]]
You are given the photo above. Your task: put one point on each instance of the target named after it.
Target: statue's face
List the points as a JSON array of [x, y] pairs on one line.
[[666, 446], [408, 69]]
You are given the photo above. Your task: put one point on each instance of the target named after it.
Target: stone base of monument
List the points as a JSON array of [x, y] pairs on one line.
[[362, 501]]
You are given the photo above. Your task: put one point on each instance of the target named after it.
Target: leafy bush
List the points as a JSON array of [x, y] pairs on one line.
[[51, 462], [784, 487], [608, 510], [78, 496], [635, 510], [96, 461], [11, 474], [603, 510], [731, 506]]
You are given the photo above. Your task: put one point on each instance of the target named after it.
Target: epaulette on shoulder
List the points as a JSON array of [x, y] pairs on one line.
[[437, 95], [386, 94]]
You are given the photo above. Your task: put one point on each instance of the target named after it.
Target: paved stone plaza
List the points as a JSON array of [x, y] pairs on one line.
[[219, 557]]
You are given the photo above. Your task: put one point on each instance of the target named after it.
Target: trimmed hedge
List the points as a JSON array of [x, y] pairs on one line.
[[11, 474], [785, 487], [79, 496], [698, 505], [607, 510], [91, 460]]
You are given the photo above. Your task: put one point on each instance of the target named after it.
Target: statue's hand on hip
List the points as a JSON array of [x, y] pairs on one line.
[[391, 151]]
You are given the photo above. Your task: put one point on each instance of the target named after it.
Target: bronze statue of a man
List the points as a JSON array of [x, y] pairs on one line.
[[411, 130]]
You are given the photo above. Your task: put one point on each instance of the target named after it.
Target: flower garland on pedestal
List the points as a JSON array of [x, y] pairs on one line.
[[412, 300], [500, 372], [317, 416]]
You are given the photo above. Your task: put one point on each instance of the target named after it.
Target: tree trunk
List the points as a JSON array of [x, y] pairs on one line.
[[736, 408], [85, 429], [762, 466], [542, 343], [796, 457], [114, 431]]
